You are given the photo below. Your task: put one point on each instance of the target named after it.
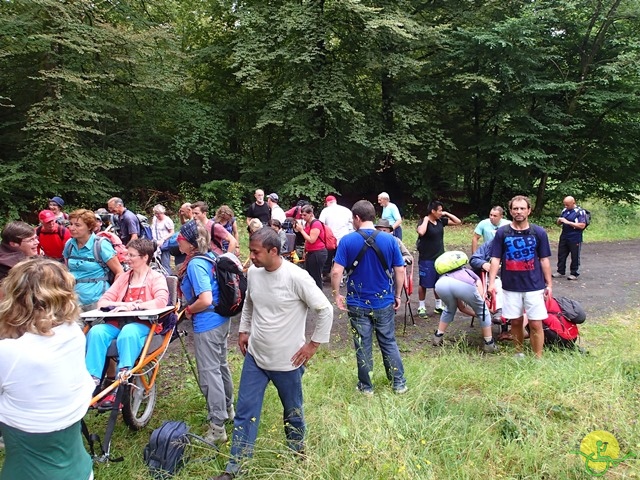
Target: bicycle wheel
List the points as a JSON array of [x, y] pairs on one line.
[[138, 403]]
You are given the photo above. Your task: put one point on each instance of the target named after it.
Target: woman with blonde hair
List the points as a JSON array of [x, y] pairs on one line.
[[45, 389]]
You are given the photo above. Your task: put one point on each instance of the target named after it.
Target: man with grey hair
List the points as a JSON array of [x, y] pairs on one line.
[[259, 209], [390, 212], [128, 224], [486, 229]]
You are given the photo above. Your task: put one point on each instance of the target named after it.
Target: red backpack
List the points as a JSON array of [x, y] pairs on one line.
[[329, 239], [118, 246], [558, 330]]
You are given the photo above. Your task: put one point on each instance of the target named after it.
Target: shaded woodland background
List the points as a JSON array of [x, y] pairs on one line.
[[471, 101]]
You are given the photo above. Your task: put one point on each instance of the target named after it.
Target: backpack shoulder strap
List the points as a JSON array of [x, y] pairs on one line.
[[66, 251], [369, 241], [97, 250], [323, 238]]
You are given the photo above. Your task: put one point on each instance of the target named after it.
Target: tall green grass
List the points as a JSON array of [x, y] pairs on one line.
[[466, 415]]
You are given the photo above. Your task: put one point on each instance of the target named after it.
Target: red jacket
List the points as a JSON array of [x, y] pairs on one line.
[[52, 243]]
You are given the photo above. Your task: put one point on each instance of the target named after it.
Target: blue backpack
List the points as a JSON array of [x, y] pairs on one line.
[[145, 228], [164, 454]]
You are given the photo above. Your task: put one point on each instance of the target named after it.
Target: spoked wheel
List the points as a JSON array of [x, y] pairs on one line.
[[138, 403]]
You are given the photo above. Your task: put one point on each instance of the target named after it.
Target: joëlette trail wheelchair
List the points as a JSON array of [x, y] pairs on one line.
[[137, 392]]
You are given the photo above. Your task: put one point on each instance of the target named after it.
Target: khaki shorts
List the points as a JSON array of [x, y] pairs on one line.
[[515, 304]]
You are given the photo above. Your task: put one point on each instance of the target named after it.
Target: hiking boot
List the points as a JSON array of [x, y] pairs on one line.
[[224, 476], [557, 275], [216, 433], [437, 340], [572, 277], [401, 390], [490, 347], [422, 312]]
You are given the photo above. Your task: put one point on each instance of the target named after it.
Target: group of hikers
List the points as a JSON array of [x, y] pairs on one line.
[[51, 273]]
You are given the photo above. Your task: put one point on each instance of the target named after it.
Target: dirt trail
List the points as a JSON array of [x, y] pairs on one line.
[[609, 283]]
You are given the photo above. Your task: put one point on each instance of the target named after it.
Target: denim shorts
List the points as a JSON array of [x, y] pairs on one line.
[[428, 274]]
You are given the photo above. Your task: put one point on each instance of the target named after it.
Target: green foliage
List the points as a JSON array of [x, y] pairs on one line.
[[224, 192], [305, 98]]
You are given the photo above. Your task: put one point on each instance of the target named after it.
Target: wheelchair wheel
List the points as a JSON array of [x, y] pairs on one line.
[[137, 403]]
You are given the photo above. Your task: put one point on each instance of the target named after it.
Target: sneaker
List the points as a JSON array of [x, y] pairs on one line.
[[572, 277], [368, 392], [438, 310], [437, 340], [518, 356], [216, 433], [401, 390], [557, 275], [107, 402], [422, 312], [490, 347], [224, 476], [496, 317]]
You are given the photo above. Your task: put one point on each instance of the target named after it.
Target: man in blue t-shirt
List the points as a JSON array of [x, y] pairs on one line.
[[373, 295], [523, 251], [128, 224], [486, 229], [573, 220]]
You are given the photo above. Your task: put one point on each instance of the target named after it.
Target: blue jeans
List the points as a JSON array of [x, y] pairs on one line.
[[253, 382], [363, 323]]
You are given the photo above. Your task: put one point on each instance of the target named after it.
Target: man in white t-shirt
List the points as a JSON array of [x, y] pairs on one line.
[[486, 229], [276, 210], [272, 339], [340, 220]]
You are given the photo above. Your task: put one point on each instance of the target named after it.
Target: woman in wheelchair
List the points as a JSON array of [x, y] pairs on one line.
[[140, 288]]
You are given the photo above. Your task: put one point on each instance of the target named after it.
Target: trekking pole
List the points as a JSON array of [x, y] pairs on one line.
[[186, 354]]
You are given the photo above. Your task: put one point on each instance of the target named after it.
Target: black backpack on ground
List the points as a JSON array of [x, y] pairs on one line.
[[232, 283], [165, 452]]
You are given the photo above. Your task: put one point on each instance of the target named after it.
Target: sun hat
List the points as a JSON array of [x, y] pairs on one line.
[[383, 223], [57, 200]]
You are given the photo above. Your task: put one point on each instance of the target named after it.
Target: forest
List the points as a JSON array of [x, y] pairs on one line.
[[469, 100]]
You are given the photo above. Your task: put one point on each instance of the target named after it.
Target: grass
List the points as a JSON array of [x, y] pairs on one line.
[[466, 416]]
